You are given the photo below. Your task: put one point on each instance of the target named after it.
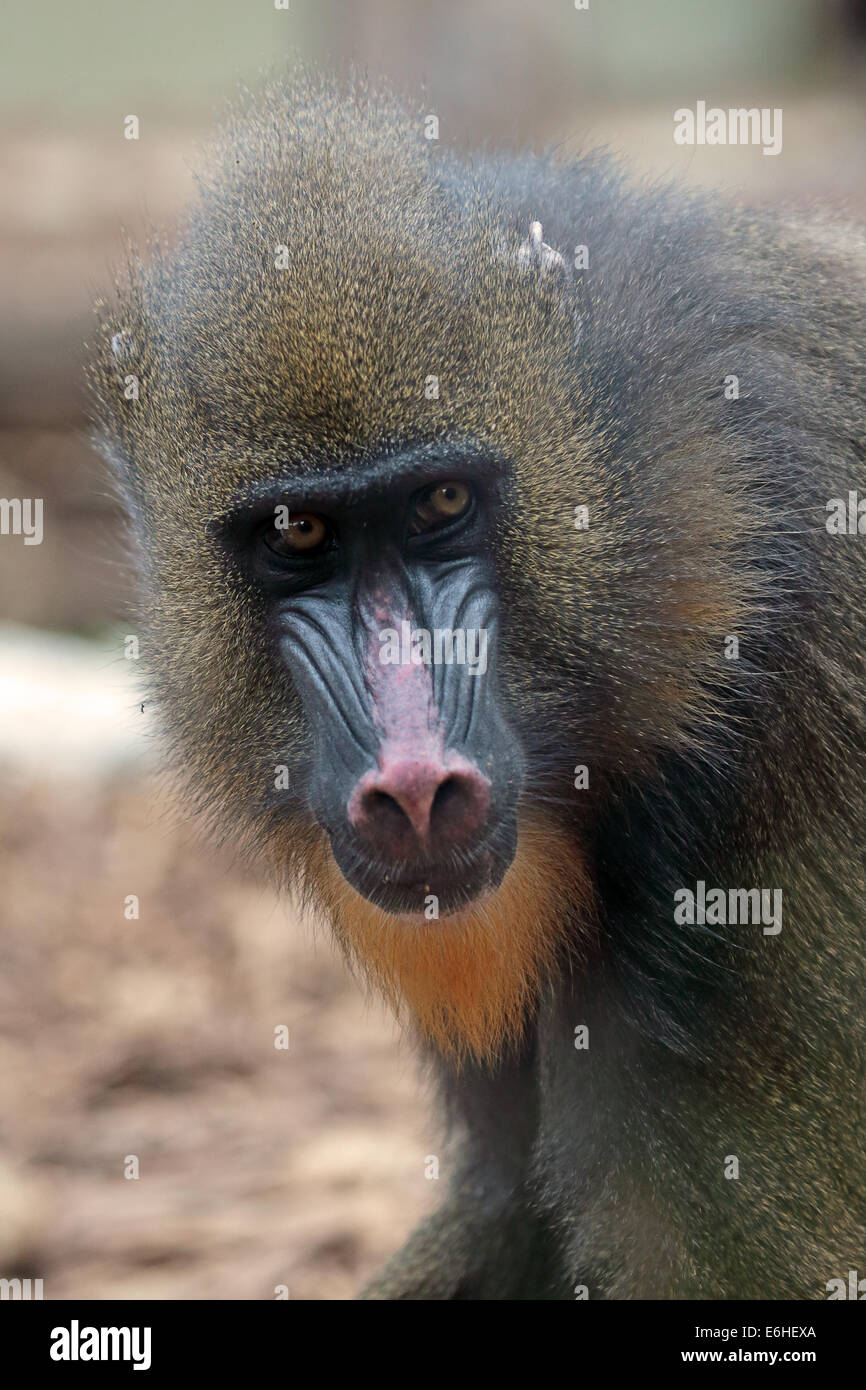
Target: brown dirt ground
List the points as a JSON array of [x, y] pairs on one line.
[[155, 1037]]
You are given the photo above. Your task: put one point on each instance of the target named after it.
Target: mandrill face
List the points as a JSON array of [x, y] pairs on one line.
[[382, 611]]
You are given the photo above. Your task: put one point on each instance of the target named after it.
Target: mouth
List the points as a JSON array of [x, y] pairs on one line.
[[430, 890]]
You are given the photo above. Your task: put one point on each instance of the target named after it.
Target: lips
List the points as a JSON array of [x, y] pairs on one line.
[[410, 890]]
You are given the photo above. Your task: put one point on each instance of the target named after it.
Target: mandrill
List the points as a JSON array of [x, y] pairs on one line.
[[483, 510]]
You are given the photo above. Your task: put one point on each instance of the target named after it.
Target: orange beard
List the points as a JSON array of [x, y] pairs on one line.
[[469, 980]]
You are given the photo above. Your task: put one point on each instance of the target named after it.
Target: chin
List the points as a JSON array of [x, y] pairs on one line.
[[470, 979]]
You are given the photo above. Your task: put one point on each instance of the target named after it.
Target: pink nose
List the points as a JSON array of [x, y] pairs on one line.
[[409, 806]]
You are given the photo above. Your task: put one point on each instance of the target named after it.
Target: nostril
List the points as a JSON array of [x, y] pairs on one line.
[[449, 796], [385, 807], [459, 806]]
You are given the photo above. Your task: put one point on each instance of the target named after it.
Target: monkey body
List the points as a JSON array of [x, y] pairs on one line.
[[356, 326]]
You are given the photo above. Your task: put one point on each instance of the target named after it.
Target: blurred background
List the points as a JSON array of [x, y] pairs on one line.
[[153, 1034]]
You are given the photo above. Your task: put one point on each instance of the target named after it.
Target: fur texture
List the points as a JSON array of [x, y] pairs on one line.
[[707, 519]]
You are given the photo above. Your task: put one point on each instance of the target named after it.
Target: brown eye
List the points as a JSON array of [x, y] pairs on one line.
[[301, 533], [440, 504]]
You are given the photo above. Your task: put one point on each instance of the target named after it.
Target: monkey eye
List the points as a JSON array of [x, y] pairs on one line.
[[438, 505], [302, 534]]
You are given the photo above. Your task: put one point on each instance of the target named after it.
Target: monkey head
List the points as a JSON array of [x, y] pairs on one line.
[[354, 414]]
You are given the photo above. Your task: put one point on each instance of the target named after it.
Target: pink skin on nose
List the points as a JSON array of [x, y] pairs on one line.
[[412, 763]]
